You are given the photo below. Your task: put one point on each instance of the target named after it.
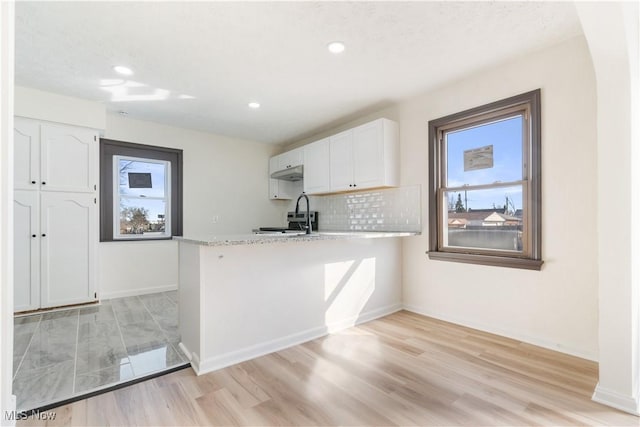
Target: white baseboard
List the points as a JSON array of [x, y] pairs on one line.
[[139, 291], [261, 349], [505, 333], [616, 400]]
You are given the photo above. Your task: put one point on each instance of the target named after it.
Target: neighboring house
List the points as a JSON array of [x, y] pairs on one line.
[[483, 218]]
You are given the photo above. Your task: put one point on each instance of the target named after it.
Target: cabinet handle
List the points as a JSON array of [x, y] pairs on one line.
[[44, 183], [33, 235], [350, 185], [44, 235], [354, 185], [33, 182]]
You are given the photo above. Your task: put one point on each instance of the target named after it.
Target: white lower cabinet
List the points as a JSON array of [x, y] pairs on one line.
[[26, 251], [67, 248], [54, 249]]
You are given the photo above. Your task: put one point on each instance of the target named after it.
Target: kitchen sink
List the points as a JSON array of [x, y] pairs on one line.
[[303, 235]]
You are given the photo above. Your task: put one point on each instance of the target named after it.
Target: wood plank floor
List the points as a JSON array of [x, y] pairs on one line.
[[404, 369]]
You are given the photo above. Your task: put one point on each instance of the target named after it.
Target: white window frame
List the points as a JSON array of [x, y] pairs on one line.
[[117, 199]]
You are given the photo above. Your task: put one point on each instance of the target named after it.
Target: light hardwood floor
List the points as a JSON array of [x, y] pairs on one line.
[[404, 369]]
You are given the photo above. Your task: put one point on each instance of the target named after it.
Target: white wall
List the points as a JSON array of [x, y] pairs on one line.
[[612, 30], [7, 399], [37, 104], [556, 307], [223, 177]]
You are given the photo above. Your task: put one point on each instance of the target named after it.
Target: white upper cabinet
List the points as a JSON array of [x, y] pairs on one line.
[[366, 156], [316, 167], [278, 189], [54, 157], [369, 155], [341, 161], [360, 158], [26, 153], [290, 159], [67, 158]]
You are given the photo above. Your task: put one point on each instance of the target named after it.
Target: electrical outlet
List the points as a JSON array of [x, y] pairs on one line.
[[215, 219]]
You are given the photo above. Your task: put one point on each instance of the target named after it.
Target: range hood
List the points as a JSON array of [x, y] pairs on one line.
[[290, 174]]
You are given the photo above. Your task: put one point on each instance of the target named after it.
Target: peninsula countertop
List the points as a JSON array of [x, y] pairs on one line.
[[260, 239]]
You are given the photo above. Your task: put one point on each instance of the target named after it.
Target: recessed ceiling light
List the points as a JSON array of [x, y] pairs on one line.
[[254, 105], [121, 69], [183, 96], [336, 47]]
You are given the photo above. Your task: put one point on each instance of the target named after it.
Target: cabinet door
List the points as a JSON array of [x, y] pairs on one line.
[[273, 183], [341, 161], [316, 167], [26, 169], [26, 251], [368, 155], [68, 158], [290, 159], [278, 189], [68, 240]]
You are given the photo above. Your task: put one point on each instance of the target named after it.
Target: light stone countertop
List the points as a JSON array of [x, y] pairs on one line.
[[260, 239]]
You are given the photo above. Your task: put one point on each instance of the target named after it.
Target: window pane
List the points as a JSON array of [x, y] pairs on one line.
[[142, 217], [486, 219], [141, 178], [485, 154]]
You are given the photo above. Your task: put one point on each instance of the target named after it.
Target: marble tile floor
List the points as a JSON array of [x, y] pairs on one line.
[[62, 354]]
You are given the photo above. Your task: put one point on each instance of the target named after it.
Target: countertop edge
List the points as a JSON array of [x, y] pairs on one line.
[[261, 239]]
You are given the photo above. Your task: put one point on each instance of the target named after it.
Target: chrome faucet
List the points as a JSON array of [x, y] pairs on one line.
[[308, 224]]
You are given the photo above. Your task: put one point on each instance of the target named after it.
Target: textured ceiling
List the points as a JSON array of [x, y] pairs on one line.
[[226, 54]]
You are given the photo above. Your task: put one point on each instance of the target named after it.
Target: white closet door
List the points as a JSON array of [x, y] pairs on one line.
[[26, 169], [68, 233], [26, 251], [68, 158]]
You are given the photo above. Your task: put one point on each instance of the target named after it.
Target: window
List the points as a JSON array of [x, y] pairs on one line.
[[484, 188], [141, 191]]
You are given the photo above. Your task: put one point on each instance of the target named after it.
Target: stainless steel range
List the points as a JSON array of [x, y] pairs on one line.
[[296, 223]]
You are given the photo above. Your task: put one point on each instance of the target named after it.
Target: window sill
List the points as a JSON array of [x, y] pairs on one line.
[[148, 239], [497, 261]]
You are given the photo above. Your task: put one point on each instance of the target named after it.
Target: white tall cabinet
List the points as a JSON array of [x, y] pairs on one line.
[[55, 214]]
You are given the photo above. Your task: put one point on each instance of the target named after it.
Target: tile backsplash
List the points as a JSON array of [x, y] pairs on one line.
[[389, 209]]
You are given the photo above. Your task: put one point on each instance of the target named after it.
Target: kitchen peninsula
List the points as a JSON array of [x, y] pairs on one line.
[[243, 296]]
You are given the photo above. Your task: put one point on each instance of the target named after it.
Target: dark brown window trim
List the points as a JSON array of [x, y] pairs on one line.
[[534, 262], [109, 148], [493, 260]]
